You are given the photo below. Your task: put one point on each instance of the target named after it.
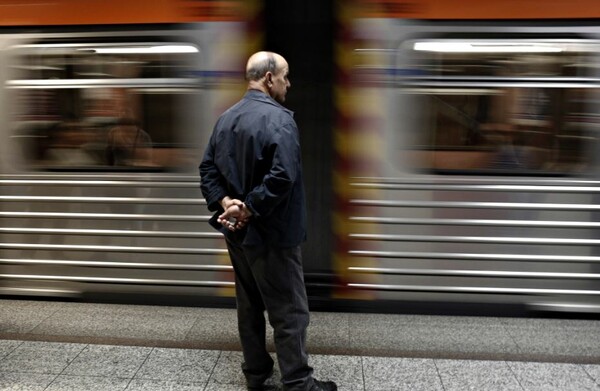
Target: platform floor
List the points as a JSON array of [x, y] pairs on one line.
[[51, 345]]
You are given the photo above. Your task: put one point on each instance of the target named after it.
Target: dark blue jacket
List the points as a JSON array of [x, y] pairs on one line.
[[254, 155]]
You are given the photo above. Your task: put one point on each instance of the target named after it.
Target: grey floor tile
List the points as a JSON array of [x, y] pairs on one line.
[[108, 361], [400, 374], [430, 336], [7, 346], [557, 338], [164, 385], [87, 383], [345, 371], [586, 336], [120, 321], [466, 375], [215, 327], [179, 364], [552, 377], [228, 370], [22, 316], [593, 371], [370, 332], [12, 381], [328, 329], [214, 386], [41, 357]]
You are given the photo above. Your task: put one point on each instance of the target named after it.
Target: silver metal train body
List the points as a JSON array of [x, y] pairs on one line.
[[477, 177], [467, 174], [102, 134]]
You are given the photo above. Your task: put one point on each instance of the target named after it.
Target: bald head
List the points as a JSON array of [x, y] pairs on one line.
[[262, 62], [268, 72]]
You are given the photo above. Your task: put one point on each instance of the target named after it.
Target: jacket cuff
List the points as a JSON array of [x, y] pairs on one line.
[[214, 204], [249, 205]]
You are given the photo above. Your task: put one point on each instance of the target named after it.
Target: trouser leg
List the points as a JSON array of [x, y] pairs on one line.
[[258, 364], [280, 279]]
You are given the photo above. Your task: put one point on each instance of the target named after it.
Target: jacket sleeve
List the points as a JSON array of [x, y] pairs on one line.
[[211, 183], [284, 150]]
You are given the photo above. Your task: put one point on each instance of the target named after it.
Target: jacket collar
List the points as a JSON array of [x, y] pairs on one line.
[[262, 97]]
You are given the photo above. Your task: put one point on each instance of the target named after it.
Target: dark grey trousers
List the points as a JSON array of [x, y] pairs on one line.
[[272, 278]]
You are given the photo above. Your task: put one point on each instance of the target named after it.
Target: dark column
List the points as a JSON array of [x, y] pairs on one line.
[[302, 31]]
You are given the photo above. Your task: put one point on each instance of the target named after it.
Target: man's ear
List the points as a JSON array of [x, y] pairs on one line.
[[269, 78]]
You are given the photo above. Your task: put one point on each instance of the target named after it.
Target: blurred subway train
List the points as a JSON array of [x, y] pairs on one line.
[[451, 153], [106, 109]]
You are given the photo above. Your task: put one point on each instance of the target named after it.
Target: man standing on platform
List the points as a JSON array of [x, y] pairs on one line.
[[251, 175]]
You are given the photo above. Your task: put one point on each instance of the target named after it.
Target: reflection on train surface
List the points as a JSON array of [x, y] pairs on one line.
[[462, 162]]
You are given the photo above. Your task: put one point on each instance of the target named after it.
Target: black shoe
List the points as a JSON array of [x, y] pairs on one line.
[[262, 386], [323, 386]]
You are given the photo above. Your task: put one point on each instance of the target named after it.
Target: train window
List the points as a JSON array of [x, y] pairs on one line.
[[103, 106], [503, 58], [104, 60], [505, 107]]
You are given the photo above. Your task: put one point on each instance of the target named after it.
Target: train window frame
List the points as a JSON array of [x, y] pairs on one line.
[[136, 121], [414, 80]]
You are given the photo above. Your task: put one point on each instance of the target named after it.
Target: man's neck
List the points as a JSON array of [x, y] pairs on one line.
[[257, 85]]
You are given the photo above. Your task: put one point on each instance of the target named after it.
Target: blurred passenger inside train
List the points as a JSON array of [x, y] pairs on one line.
[[70, 144], [511, 152], [129, 145]]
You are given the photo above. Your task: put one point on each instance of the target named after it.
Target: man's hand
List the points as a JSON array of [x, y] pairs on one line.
[[236, 214], [226, 202]]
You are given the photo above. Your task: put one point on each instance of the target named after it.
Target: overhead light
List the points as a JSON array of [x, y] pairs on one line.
[[485, 47], [37, 67], [452, 91], [159, 49]]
